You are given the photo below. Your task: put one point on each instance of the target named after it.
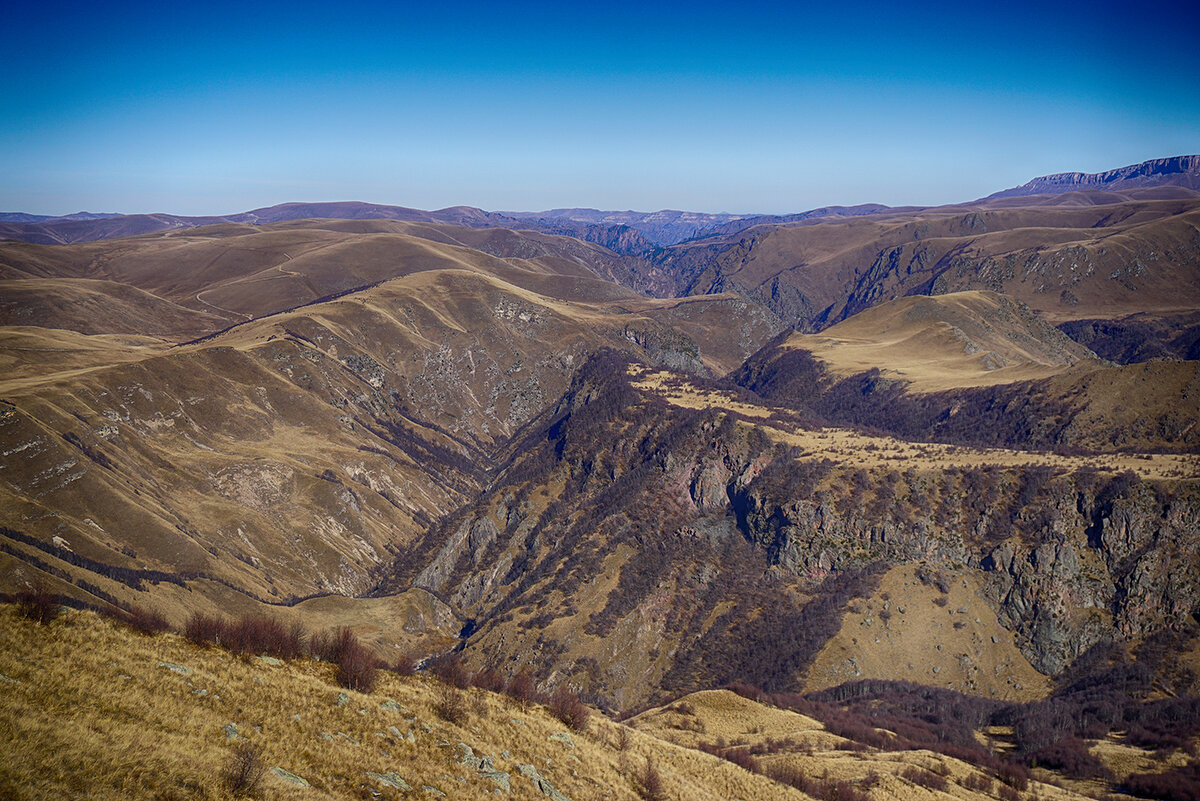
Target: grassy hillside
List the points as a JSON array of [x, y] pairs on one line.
[[92, 708], [292, 454], [1065, 261], [977, 368]]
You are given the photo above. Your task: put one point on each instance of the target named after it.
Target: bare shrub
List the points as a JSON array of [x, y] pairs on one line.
[[566, 706], [405, 665], [523, 689], [243, 771], [1007, 793], [623, 738], [37, 604], [741, 757], [146, 621], [653, 788], [979, 783], [924, 778], [256, 634], [1013, 775], [203, 629], [490, 680], [357, 669], [1178, 784], [297, 639], [1071, 756], [824, 789], [323, 646], [748, 691], [449, 704], [451, 670]]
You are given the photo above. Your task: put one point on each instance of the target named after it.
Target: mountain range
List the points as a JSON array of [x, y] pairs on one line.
[[831, 456]]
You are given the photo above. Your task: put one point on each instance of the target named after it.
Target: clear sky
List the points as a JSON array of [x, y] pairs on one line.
[[206, 108]]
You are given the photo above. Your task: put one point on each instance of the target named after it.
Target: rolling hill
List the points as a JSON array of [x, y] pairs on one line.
[[290, 453]]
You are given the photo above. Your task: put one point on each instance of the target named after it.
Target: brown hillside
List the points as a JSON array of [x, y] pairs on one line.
[[160, 717], [977, 368], [962, 339], [1066, 262], [293, 453]]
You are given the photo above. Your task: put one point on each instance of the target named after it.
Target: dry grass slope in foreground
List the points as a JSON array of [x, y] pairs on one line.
[[91, 708]]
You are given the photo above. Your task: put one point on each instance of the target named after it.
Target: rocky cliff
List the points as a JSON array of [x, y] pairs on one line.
[[705, 545], [1175, 171]]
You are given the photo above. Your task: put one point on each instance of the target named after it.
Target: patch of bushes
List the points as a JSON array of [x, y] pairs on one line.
[[357, 669], [1179, 784], [979, 783], [201, 629], [254, 634], [1070, 755], [1008, 793], [405, 665], [1014, 776], [522, 687], [924, 778], [450, 670], [490, 680], [823, 789], [144, 621]]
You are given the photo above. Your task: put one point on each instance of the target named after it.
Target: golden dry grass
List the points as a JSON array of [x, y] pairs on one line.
[[715, 715], [906, 636], [89, 708], [90, 711], [855, 449], [964, 339]]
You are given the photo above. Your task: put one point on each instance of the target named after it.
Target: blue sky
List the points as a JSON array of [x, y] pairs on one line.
[[756, 107]]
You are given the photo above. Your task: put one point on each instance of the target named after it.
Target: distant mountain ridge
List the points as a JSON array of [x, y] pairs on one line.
[[664, 227], [630, 233], [24, 217], [1174, 171]]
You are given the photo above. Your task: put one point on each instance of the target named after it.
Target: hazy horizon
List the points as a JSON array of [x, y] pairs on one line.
[[767, 108]]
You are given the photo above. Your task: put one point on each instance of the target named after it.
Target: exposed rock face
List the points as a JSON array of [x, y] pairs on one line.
[[1082, 562], [1176, 171], [687, 551]]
